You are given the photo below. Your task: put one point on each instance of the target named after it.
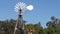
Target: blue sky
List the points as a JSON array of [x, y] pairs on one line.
[[43, 10]]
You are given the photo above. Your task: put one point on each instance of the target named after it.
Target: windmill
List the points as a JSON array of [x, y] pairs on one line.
[[21, 8]]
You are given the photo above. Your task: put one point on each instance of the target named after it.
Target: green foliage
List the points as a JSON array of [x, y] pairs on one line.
[[53, 27]]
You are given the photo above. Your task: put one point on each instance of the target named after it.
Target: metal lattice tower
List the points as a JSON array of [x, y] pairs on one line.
[[19, 22]]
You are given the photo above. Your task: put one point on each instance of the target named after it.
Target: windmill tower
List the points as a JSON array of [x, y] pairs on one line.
[[21, 8]]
